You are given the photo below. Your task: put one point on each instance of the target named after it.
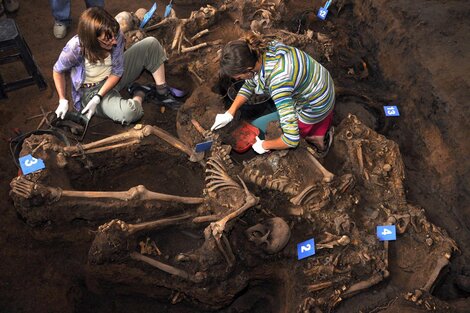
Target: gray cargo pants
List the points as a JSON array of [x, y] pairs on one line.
[[146, 54]]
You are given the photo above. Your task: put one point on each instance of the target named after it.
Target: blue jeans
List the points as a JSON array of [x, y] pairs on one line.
[[61, 9]]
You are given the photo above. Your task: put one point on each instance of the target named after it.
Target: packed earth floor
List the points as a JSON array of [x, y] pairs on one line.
[[63, 250]]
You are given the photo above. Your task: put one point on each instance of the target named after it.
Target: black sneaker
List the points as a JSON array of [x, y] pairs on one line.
[[328, 141], [148, 91], [168, 100]]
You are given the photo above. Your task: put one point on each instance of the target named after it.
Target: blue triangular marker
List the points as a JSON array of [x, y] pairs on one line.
[[148, 15], [29, 164], [386, 232], [323, 11], [391, 110], [203, 146], [168, 9], [305, 249]]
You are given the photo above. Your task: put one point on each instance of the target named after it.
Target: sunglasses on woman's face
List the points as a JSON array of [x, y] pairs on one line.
[[107, 41]]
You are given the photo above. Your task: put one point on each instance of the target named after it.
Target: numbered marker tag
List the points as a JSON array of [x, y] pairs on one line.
[[204, 146], [391, 110], [168, 9], [305, 249], [386, 232], [29, 164], [148, 15], [323, 11]]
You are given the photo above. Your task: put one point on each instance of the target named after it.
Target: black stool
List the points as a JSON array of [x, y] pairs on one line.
[[14, 47]]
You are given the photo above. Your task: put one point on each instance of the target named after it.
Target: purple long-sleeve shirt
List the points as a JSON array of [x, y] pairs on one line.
[[71, 59]]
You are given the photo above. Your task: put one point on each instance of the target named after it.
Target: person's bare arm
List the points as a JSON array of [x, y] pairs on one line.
[[237, 103], [275, 144], [110, 83], [60, 83]]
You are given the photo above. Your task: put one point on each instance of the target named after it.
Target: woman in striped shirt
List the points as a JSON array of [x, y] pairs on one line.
[[301, 88]]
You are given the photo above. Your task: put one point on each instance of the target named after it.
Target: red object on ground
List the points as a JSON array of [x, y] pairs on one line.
[[244, 136]]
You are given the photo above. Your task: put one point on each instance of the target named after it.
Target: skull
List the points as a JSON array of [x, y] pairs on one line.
[[127, 21], [140, 13], [271, 235]]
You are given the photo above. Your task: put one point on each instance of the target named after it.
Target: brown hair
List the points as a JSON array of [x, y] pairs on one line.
[[239, 55], [93, 23]]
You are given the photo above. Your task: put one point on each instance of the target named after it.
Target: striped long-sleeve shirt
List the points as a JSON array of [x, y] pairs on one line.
[[301, 88]]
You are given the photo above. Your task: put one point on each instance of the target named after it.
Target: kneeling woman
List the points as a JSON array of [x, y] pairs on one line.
[[301, 88], [99, 68]]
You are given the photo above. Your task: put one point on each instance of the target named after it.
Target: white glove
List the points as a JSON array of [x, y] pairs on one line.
[[62, 108], [91, 106], [258, 146], [221, 120]]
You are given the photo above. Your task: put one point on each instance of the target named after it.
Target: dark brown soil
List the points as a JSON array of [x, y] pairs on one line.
[[416, 54]]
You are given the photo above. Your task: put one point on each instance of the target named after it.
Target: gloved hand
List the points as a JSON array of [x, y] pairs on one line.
[[258, 146], [62, 108], [221, 120], [91, 106]]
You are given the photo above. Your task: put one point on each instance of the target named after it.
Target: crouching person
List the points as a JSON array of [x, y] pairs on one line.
[[99, 69]]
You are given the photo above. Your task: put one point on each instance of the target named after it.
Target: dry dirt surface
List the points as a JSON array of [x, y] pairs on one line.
[[81, 255]]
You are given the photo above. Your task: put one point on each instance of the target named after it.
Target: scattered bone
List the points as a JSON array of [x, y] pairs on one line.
[[387, 167], [442, 262], [342, 241], [178, 34], [327, 176], [154, 245], [191, 69], [111, 242], [365, 284], [197, 278], [131, 229], [193, 48], [401, 222], [166, 21], [319, 286], [360, 159], [146, 246], [199, 34]]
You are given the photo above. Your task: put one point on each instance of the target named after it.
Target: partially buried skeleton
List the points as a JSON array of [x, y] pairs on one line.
[[245, 224], [214, 248]]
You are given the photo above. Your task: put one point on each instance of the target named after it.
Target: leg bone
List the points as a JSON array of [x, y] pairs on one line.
[[130, 137], [362, 285], [197, 278], [327, 176], [25, 188], [442, 262]]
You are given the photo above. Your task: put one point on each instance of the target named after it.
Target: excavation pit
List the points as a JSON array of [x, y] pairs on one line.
[[386, 53]]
